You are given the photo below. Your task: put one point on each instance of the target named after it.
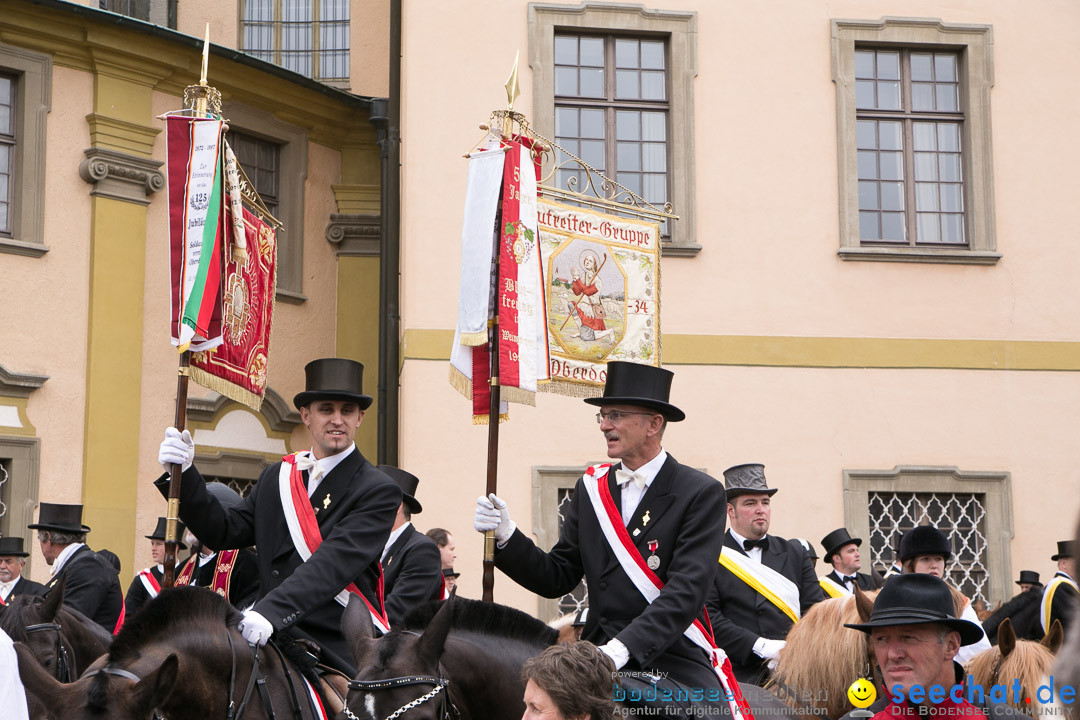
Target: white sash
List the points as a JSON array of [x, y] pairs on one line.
[[1048, 599], [834, 588], [649, 585], [149, 582], [292, 520], [781, 587]]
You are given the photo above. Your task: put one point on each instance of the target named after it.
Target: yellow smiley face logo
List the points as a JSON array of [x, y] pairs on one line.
[[861, 693]]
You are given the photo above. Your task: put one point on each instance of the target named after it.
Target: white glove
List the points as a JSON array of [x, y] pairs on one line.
[[176, 449], [491, 514], [768, 649], [255, 628], [615, 650]]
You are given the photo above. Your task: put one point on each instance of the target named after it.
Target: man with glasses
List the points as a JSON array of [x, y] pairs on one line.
[[645, 511]]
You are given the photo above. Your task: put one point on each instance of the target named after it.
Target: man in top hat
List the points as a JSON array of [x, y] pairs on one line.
[[763, 584], [91, 584], [147, 582], [916, 640], [320, 518], [411, 561], [645, 511], [1028, 579], [842, 552], [1059, 597], [12, 562]]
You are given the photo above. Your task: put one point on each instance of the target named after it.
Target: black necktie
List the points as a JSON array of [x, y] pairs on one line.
[[848, 579], [763, 543]]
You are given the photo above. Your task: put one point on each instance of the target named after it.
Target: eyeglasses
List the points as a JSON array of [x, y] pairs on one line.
[[613, 416]]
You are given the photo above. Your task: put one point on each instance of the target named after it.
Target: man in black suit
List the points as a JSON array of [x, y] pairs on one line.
[[1059, 598], [842, 552], [331, 493], [411, 561], [12, 562], [91, 584], [646, 506], [750, 626]]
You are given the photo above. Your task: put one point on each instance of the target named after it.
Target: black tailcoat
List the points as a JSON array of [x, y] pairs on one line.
[[863, 580], [137, 596], [295, 595], [1063, 605], [740, 615], [412, 574], [92, 587], [25, 586], [686, 519]]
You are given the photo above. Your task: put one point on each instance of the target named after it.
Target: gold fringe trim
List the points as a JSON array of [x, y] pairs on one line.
[[228, 389], [474, 339], [460, 382], [483, 419], [572, 389], [517, 395]]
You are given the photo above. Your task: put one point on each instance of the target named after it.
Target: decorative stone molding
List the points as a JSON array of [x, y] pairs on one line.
[[278, 413], [20, 385], [354, 235], [121, 176]]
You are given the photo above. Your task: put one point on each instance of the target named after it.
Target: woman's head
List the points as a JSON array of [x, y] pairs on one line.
[[568, 682], [926, 565]]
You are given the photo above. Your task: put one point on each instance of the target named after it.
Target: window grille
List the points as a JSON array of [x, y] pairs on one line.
[[240, 485], [5, 493], [577, 598]]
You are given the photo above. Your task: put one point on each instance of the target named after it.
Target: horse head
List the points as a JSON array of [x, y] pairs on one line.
[[36, 622], [1012, 660]]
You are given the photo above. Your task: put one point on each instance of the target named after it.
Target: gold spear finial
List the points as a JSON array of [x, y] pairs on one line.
[[205, 55], [512, 89]]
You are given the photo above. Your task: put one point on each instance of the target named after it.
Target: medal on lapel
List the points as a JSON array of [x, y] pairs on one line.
[[654, 560], [326, 501]]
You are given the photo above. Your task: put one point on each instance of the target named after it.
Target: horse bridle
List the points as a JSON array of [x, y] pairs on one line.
[[441, 687], [63, 664]]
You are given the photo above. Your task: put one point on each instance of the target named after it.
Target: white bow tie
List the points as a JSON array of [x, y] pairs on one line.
[[624, 476], [304, 462]]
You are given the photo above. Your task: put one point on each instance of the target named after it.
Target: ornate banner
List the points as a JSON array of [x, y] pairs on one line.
[[237, 367], [603, 294]]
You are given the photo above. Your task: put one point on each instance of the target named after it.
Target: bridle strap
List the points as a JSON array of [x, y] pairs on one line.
[[440, 684], [63, 664], [369, 685], [118, 672]]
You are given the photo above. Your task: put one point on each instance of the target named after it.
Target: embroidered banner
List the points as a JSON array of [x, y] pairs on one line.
[[603, 294]]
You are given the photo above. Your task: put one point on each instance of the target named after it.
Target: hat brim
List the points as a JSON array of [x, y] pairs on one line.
[[736, 492], [1057, 557], [412, 503], [308, 396], [970, 633], [179, 544], [857, 542], [78, 530], [669, 411], [14, 554]]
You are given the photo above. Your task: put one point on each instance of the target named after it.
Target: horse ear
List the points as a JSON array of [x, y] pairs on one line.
[[1006, 637], [432, 641], [359, 631], [1054, 638], [54, 600], [153, 691], [864, 604]]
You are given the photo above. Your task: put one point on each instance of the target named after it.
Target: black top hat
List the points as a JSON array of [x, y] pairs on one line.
[[449, 572], [642, 385], [837, 539], [10, 546], [159, 532], [407, 482], [808, 546], [918, 599], [333, 379], [924, 540], [746, 479], [1065, 550], [1028, 576], [59, 517]]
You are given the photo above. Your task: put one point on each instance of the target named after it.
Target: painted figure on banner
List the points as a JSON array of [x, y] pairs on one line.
[[589, 317]]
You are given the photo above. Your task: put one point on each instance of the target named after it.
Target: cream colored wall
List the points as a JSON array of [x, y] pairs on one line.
[[193, 15], [369, 45]]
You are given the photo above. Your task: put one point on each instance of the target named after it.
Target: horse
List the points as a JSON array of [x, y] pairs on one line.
[[1014, 659], [182, 657], [63, 640], [1023, 610], [822, 657]]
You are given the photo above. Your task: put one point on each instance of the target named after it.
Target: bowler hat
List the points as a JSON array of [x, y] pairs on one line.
[[924, 540], [12, 546], [837, 539], [407, 482], [1028, 576], [917, 599], [60, 517], [746, 479], [159, 532], [333, 379], [646, 386], [1065, 550]]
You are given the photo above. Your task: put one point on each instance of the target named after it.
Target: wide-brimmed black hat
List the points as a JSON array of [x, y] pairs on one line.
[[1028, 576], [333, 379], [60, 517], [159, 532], [12, 546], [642, 385], [1066, 549], [746, 479], [837, 539], [924, 540], [918, 599], [407, 482]]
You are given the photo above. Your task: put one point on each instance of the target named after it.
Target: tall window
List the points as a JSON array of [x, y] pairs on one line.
[[908, 134], [7, 151], [138, 9], [260, 160], [310, 37], [611, 110]]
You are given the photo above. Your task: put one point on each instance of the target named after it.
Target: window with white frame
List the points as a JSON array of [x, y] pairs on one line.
[[310, 37]]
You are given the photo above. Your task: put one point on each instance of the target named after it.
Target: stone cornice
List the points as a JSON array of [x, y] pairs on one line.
[[280, 416], [354, 235], [121, 176], [13, 384]]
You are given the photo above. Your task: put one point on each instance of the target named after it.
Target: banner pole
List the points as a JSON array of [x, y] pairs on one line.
[[492, 449], [172, 515]]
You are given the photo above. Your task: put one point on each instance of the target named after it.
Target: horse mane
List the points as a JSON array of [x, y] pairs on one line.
[[89, 625], [13, 616], [1023, 609], [172, 608], [491, 619]]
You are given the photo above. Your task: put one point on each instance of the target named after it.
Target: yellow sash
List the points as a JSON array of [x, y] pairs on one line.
[[757, 585], [831, 588], [1048, 600]]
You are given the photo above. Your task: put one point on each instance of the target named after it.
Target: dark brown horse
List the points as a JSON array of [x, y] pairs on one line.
[[181, 657]]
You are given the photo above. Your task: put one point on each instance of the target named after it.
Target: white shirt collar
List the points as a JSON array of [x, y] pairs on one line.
[[63, 557], [650, 469], [755, 552], [6, 588], [203, 559], [327, 464], [393, 538]]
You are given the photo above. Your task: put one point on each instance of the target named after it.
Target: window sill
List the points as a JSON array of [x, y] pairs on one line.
[[680, 250], [22, 247], [949, 256], [291, 297]]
